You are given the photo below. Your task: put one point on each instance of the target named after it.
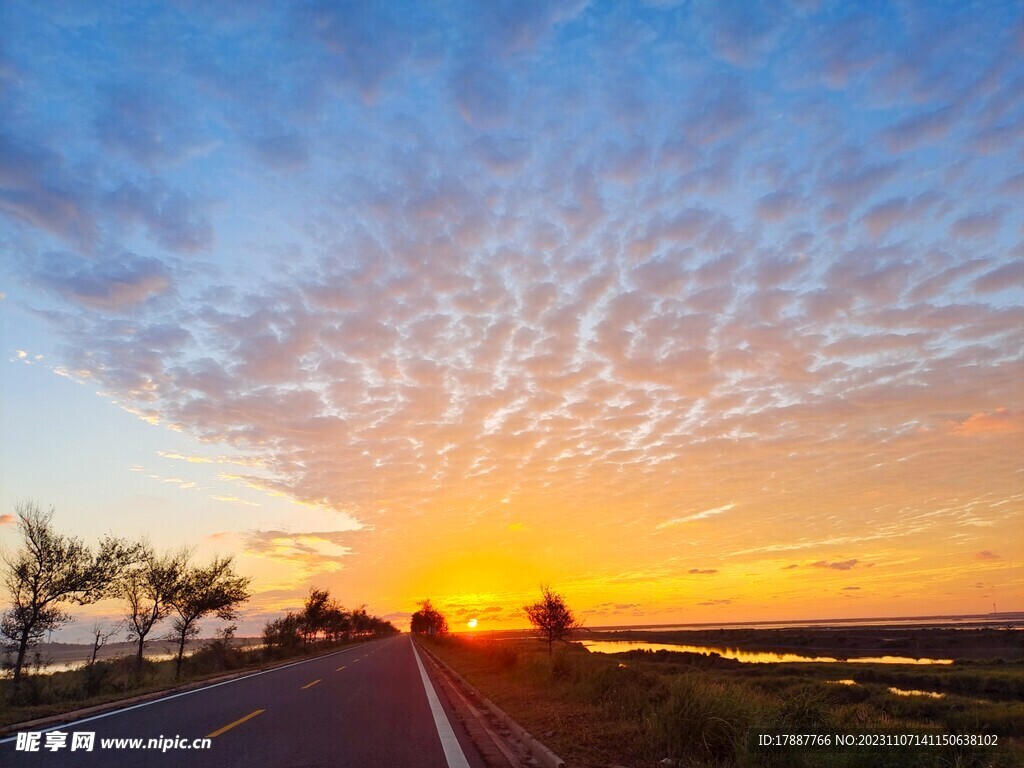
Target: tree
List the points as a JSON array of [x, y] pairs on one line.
[[101, 635], [551, 617], [49, 571], [428, 620], [148, 589], [337, 622], [201, 591], [314, 612], [283, 633]]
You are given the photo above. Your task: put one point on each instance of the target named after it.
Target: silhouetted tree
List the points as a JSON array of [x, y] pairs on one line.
[[337, 622], [428, 621], [201, 591], [148, 588], [283, 633], [101, 635], [551, 617], [315, 612], [50, 570]]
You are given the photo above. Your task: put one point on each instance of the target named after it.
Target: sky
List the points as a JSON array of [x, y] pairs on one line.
[[694, 311]]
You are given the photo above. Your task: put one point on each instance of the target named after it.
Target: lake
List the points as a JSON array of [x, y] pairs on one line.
[[750, 657]]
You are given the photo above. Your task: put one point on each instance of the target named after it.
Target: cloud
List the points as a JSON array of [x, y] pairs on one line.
[[776, 206], [283, 151], [308, 552], [230, 499], [482, 95], [1001, 278], [977, 225], [173, 219], [850, 589], [697, 516], [720, 108], [479, 273], [38, 188], [716, 602], [986, 554], [365, 45], [510, 27], [703, 571], [919, 129], [145, 122], [1001, 421], [843, 565], [741, 33], [110, 285]]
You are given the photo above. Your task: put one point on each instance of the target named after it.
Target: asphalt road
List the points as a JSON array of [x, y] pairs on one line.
[[364, 706]]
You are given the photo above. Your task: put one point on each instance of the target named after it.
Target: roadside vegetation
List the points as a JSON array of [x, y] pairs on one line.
[[640, 708], [51, 572]]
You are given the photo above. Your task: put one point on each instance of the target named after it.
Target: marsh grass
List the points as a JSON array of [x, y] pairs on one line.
[[640, 708]]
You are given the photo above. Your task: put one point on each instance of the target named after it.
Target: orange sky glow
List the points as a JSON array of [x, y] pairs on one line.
[[722, 331]]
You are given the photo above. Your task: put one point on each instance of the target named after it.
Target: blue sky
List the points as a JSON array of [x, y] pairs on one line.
[[697, 291]]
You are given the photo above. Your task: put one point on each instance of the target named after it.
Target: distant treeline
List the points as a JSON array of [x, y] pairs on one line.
[[322, 619]]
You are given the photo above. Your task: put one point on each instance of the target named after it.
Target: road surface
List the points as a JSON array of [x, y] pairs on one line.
[[365, 706]]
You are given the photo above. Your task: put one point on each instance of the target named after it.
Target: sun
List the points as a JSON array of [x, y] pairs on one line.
[[471, 623]]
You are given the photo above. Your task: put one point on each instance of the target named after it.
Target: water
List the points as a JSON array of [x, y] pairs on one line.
[[929, 694], [749, 657], [69, 666], [902, 691], [49, 668]]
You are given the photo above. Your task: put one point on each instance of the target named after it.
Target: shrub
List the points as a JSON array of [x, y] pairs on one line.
[[502, 655], [701, 719]]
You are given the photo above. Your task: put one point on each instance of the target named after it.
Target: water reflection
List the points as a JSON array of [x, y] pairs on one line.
[[750, 657], [929, 694]]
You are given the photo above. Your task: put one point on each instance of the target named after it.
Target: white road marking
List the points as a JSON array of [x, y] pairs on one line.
[[452, 749], [183, 693]]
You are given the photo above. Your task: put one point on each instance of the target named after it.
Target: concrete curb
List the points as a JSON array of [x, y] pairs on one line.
[[545, 756], [99, 709]]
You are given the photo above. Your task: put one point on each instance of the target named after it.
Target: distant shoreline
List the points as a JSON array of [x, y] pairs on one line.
[[1001, 620], [995, 620]]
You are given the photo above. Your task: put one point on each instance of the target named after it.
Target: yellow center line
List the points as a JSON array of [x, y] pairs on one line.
[[340, 668], [310, 685], [239, 721]]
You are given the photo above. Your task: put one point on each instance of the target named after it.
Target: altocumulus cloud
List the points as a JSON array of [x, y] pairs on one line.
[[445, 272]]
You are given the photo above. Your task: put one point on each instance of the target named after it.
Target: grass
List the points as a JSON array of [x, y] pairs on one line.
[[640, 708], [43, 695]]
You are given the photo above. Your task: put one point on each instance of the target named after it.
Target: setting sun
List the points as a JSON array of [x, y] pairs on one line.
[[471, 623]]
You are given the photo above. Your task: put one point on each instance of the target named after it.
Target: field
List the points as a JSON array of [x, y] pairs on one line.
[[641, 708]]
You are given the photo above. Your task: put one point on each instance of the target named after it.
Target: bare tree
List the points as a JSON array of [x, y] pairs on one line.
[[551, 617], [101, 635], [201, 591], [148, 589], [50, 571]]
